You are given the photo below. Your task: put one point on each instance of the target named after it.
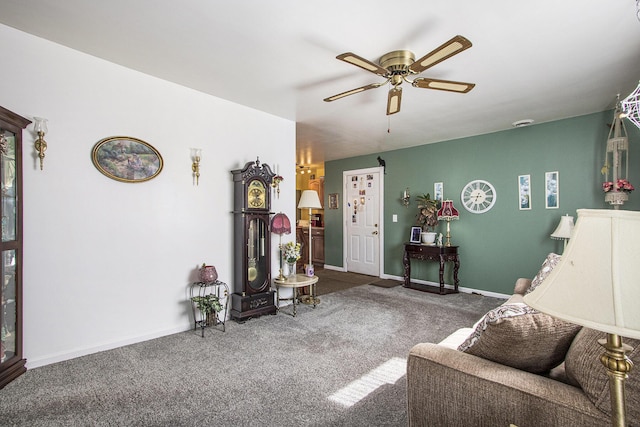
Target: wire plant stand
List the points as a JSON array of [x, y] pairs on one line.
[[202, 319]]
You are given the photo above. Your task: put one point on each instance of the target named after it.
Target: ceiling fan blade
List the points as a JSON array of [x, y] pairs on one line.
[[365, 64], [353, 91], [394, 99], [445, 51], [448, 85]]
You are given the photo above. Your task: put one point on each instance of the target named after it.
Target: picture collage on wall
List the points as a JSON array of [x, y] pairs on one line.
[[551, 191]]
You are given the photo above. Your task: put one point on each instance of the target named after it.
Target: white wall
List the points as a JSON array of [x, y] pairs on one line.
[[108, 263]]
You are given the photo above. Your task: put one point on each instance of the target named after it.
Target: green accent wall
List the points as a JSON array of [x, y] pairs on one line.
[[506, 243]]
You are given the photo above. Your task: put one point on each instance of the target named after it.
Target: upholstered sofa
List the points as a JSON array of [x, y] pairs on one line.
[[516, 366]]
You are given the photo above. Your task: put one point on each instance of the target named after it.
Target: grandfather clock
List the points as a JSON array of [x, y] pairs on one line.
[[252, 242]]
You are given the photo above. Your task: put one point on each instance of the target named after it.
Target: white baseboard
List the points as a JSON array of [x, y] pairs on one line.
[[426, 282], [448, 286], [60, 357]]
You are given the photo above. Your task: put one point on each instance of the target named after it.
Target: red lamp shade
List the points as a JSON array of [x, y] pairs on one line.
[[280, 224], [447, 211]]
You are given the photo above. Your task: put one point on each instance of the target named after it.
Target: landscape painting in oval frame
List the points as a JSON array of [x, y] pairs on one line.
[[126, 159]]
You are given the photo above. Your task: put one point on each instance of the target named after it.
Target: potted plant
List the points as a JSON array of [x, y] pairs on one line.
[[208, 304], [427, 217]]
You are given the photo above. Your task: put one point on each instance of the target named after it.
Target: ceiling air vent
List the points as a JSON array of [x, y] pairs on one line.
[[522, 123]]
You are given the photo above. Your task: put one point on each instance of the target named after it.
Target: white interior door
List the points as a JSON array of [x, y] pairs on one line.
[[363, 231]]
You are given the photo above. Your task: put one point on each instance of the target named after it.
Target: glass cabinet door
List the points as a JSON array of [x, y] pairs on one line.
[[12, 362], [8, 204], [9, 313]]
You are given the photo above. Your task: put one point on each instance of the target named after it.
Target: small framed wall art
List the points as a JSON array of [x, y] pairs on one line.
[[126, 159], [438, 192], [415, 234], [552, 190], [524, 192], [333, 201]]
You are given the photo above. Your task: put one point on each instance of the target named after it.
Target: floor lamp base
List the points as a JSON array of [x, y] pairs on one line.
[[618, 366]]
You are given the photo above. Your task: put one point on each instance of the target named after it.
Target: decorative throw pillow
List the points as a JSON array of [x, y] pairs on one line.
[[516, 335], [584, 369], [547, 266]]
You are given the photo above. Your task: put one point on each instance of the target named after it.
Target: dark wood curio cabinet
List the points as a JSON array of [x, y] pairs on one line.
[[252, 294], [12, 363]]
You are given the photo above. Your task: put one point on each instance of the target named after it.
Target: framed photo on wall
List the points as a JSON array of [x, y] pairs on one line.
[[524, 192], [552, 190], [415, 234], [438, 192], [333, 201]]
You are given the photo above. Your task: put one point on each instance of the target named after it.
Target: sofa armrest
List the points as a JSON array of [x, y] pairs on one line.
[[521, 286], [447, 387]]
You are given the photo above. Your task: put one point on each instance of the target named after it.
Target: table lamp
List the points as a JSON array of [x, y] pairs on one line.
[[595, 285], [563, 230], [280, 225], [448, 213]]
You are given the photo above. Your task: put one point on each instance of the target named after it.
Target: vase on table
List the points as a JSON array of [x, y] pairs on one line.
[[208, 274], [290, 270]]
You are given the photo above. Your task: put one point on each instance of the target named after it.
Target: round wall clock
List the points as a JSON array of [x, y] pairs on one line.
[[478, 196]]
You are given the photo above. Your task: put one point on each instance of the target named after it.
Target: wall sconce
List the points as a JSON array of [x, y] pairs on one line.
[[40, 127], [406, 197], [196, 155]]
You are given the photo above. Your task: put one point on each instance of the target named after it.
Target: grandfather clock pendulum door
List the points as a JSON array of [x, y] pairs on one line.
[[252, 242]]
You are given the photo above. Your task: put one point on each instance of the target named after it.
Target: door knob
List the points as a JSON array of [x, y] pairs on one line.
[[375, 233]]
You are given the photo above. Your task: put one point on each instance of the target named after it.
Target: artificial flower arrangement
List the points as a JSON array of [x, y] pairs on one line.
[[291, 252], [620, 185]]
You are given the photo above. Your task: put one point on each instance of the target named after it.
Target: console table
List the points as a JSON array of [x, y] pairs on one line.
[[439, 254]]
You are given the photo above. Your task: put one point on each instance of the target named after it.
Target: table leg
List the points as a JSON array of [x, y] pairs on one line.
[[406, 263], [456, 266], [313, 294], [277, 298], [441, 274], [295, 298]]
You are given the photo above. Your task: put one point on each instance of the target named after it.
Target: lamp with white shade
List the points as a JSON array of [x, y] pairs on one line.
[[563, 230], [595, 285], [309, 200]]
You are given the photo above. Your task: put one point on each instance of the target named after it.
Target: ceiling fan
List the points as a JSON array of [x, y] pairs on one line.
[[396, 66]]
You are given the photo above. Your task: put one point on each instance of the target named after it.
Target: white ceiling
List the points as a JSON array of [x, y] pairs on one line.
[[542, 60]]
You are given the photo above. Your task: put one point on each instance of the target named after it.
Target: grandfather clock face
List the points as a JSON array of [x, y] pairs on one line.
[[256, 195]]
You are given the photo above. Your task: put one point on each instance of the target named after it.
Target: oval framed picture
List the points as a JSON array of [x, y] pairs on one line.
[[126, 159]]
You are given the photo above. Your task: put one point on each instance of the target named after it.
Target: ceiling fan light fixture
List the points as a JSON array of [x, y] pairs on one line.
[[393, 101], [397, 65]]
